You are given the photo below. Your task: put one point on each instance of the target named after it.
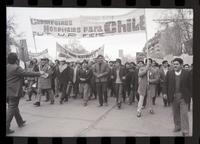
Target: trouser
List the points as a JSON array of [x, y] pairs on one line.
[[102, 92], [30, 93], [132, 96], [69, 89], [166, 101], [137, 96], [180, 113], [13, 111], [145, 101], [31, 90], [111, 88], [156, 94], [140, 103], [189, 104], [148, 102], [64, 94], [75, 88], [119, 92], [93, 90], [84, 89], [49, 91], [56, 81]]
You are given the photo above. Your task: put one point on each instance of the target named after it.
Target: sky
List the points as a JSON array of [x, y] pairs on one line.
[[130, 43]]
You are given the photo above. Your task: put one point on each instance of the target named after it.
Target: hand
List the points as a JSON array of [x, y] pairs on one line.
[[123, 77], [131, 86], [82, 79], [42, 72], [112, 77], [99, 75]]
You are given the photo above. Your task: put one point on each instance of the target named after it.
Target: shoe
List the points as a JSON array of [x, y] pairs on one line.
[[85, 104], [37, 103], [143, 107], [23, 124], [185, 134], [61, 101], [100, 105], [52, 102], [9, 131], [66, 100], [177, 130], [151, 112], [119, 106], [46, 100], [28, 100], [139, 114], [106, 104]]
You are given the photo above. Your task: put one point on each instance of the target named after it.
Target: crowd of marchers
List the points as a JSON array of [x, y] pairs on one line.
[[100, 79]]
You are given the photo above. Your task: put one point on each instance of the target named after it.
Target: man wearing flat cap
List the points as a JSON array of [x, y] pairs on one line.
[[44, 83]]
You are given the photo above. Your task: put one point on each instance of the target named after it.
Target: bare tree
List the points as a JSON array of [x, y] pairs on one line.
[[75, 46], [11, 34], [178, 30]]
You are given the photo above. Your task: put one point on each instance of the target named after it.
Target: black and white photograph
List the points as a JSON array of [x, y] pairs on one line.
[[99, 72]]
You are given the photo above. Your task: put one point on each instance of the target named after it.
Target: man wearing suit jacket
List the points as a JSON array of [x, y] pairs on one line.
[[64, 78], [15, 75], [101, 71], [163, 73], [177, 88], [75, 80]]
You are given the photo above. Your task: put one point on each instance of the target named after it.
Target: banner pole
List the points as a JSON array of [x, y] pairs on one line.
[[146, 44], [34, 43], [33, 37]]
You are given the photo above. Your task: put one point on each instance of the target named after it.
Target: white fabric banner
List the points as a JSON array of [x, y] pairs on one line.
[[63, 52], [90, 26]]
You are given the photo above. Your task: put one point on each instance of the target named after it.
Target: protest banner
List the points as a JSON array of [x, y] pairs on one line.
[[90, 26], [64, 52], [39, 55]]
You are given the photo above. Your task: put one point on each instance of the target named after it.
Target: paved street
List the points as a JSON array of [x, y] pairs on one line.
[[73, 119]]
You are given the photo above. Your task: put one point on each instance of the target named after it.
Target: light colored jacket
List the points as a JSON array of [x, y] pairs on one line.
[[101, 69], [45, 83]]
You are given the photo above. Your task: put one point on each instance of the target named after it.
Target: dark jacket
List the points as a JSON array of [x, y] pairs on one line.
[[162, 77], [86, 74], [134, 80], [65, 76], [14, 79], [185, 85], [121, 74]]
